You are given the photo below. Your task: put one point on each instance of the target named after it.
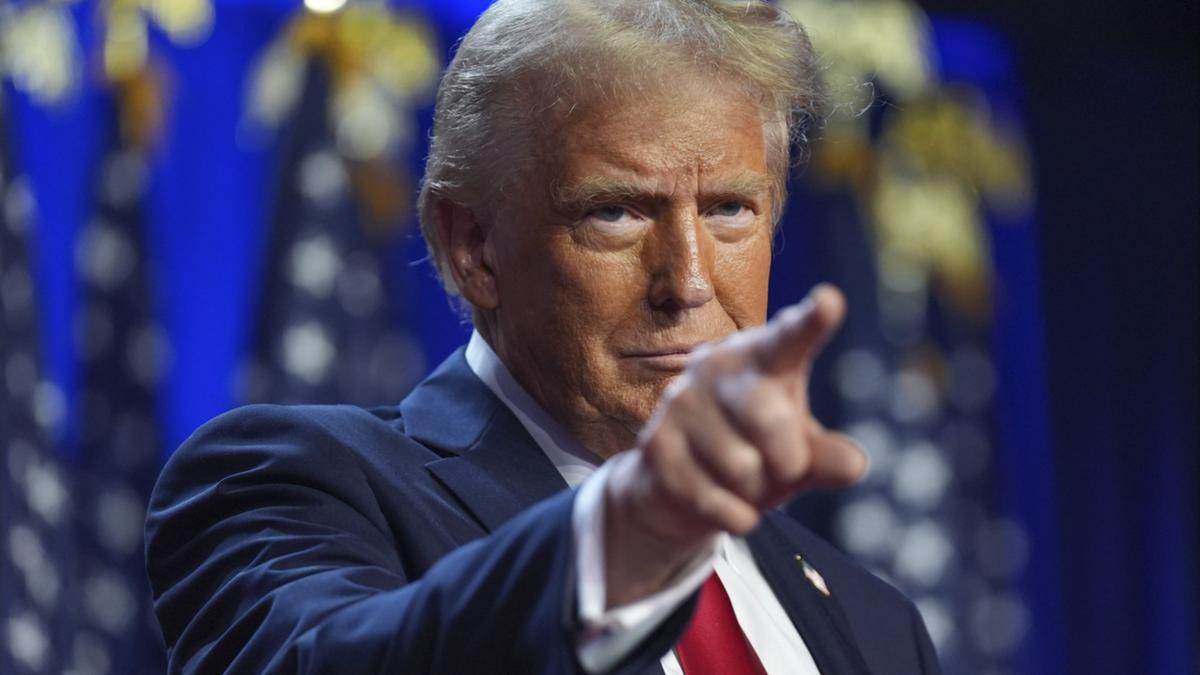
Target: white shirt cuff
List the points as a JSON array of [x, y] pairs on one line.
[[609, 635]]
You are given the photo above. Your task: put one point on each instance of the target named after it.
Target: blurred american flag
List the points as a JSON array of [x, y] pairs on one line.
[[74, 593]]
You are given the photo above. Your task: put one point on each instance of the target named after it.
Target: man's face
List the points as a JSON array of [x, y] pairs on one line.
[[644, 231]]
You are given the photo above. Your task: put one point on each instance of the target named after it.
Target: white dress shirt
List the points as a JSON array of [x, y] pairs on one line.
[[612, 633]]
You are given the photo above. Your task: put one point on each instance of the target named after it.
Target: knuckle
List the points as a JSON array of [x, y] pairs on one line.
[[792, 464], [771, 411], [743, 522], [666, 463], [663, 485], [744, 468], [709, 508]]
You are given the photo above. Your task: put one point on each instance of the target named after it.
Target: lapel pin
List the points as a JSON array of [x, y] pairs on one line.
[[814, 577]]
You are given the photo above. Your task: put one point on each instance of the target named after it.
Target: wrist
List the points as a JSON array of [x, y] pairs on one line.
[[642, 555]]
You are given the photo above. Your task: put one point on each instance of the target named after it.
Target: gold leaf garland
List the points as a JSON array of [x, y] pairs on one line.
[[381, 64], [925, 181]]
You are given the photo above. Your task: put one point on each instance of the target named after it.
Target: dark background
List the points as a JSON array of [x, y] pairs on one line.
[[1111, 112]]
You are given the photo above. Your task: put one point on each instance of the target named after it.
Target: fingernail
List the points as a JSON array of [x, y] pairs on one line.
[[798, 311], [865, 462]]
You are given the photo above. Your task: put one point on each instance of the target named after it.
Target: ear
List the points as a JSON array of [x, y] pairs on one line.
[[463, 239]]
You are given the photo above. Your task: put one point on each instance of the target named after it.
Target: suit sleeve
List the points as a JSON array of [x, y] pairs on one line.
[[267, 553]]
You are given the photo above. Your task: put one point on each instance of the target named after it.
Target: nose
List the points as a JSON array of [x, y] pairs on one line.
[[680, 259]]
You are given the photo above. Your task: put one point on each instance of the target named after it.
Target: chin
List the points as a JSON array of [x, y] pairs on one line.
[[645, 395]]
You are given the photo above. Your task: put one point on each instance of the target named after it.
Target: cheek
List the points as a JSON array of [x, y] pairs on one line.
[[598, 301], [599, 284], [577, 297], [743, 278]]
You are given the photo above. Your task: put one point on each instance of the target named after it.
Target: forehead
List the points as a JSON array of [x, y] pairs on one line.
[[688, 124]]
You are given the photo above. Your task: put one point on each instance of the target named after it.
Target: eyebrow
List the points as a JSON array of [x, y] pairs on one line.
[[593, 190]]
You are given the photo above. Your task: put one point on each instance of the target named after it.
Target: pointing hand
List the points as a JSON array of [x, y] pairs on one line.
[[732, 437]]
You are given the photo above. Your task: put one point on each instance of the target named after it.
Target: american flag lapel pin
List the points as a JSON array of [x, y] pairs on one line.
[[814, 577]]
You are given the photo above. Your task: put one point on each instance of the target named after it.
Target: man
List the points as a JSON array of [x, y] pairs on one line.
[[602, 190]]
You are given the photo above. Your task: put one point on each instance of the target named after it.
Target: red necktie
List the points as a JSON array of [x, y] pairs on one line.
[[714, 643]]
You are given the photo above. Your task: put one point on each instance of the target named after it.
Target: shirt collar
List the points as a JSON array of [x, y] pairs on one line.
[[573, 461]]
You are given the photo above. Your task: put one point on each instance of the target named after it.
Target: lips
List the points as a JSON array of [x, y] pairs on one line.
[[672, 358]]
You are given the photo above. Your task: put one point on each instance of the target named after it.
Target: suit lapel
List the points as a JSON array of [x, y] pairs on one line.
[[491, 463], [818, 617]]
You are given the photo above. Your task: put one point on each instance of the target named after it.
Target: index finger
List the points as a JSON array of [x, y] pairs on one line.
[[792, 339]]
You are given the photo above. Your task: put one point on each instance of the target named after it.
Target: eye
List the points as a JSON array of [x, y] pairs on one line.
[[609, 214], [614, 219], [728, 209], [731, 218]]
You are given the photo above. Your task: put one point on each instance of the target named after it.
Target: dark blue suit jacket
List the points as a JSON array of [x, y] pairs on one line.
[[430, 538]]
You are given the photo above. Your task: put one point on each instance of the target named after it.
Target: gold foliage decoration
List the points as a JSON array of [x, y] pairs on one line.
[[40, 54], [938, 163], [381, 64], [138, 81], [39, 50]]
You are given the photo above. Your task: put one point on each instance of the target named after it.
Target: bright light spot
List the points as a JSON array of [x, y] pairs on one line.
[[365, 121], [324, 6], [49, 405], [38, 571], [105, 256], [41, 55], [322, 177], [186, 21], [278, 83], [315, 265], [108, 602], [868, 526], [27, 641], [921, 476], [924, 553], [47, 495], [307, 352], [914, 397]]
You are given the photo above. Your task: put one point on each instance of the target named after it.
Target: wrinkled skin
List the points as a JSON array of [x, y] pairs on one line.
[[643, 232]]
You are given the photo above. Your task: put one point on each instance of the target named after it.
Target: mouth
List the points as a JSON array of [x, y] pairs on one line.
[[671, 359]]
